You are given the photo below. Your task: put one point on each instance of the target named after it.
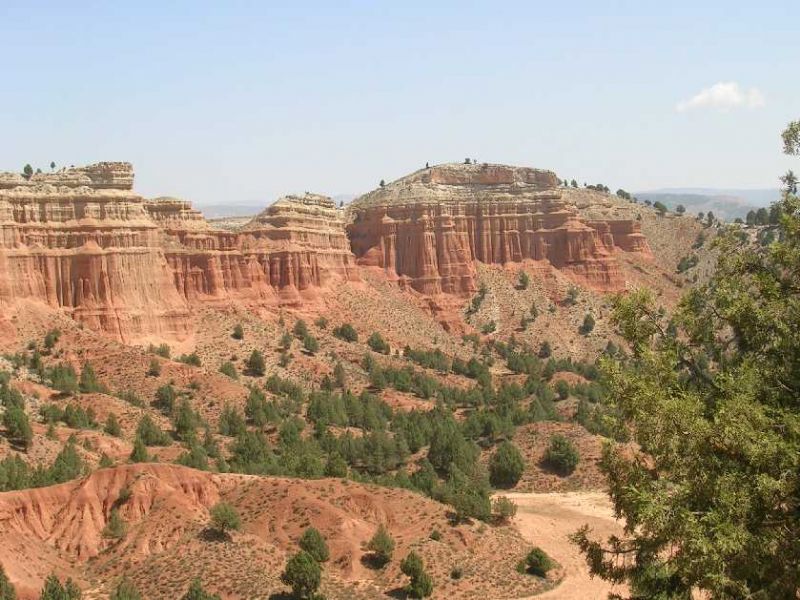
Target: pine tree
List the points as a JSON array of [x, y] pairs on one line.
[[256, 367], [312, 542], [506, 466], [381, 545], [303, 574]]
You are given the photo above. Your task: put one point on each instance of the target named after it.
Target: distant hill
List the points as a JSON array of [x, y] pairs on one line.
[[725, 203]]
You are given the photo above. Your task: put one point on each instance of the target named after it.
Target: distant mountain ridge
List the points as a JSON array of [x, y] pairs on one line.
[[725, 203]]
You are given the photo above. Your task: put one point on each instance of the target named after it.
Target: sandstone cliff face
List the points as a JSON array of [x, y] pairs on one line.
[[284, 255], [81, 240], [429, 228]]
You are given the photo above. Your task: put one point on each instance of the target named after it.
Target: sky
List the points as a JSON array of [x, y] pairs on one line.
[[242, 102]]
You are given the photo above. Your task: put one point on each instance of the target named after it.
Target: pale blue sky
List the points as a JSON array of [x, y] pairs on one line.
[[239, 102]]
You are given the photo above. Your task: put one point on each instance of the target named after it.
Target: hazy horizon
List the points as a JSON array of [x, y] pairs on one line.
[[242, 103]]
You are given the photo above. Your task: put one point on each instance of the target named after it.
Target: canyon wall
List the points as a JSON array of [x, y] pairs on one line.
[[428, 229], [295, 247], [81, 240]]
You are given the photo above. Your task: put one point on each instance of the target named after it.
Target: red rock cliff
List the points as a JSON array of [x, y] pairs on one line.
[[81, 240], [429, 228], [284, 255]]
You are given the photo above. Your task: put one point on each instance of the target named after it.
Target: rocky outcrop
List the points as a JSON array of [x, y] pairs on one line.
[[284, 255], [81, 240], [428, 229]]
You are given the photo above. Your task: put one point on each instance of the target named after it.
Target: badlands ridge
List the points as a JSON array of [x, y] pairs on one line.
[[83, 241]]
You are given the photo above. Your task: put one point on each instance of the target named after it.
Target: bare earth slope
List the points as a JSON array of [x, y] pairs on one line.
[[60, 528]]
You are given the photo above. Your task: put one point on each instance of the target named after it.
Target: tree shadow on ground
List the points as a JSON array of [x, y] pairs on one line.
[[209, 534]]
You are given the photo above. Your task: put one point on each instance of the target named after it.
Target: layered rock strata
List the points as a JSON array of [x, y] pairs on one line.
[[285, 254], [429, 228], [81, 240]]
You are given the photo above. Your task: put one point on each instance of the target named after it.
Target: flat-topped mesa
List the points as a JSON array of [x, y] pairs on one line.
[[103, 175], [427, 229], [69, 241], [282, 256]]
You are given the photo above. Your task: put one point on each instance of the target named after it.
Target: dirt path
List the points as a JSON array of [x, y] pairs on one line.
[[547, 519]]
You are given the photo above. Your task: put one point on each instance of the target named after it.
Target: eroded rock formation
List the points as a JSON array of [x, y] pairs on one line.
[[285, 254], [429, 228], [83, 241]]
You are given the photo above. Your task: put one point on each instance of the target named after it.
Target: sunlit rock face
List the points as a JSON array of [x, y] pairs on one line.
[[81, 240], [428, 229]]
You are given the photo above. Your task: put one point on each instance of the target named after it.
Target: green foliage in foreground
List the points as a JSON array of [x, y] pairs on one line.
[[712, 501]]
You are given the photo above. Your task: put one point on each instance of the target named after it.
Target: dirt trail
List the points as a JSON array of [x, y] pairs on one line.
[[547, 519]]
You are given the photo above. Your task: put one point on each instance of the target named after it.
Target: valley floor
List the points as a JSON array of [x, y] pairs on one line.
[[546, 520]]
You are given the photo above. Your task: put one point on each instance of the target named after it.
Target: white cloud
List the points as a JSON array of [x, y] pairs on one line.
[[725, 95]]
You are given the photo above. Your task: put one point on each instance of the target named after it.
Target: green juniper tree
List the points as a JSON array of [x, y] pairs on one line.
[[712, 499]]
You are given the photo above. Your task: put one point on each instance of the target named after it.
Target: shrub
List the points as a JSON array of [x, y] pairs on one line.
[[196, 592], [18, 427], [537, 562], [544, 350], [165, 399], [224, 518], [561, 455], [378, 344], [256, 367], [312, 542], [346, 332], [238, 332], [162, 350], [231, 422], [504, 508], [125, 590], [150, 433], [310, 344], [588, 324], [227, 368], [339, 376], [506, 466], [51, 338], [300, 329], [64, 379], [572, 295], [112, 425], [54, 590], [115, 528], [88, 382], [523, 281], [190, 359], [381, 545], [489, 327], [154, 370], [321, 322], [139, 452], [562, 389], [303, 574], [420, 584]]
